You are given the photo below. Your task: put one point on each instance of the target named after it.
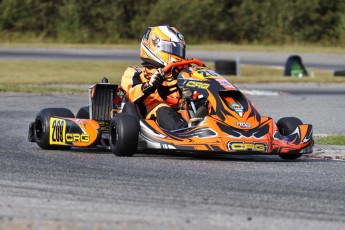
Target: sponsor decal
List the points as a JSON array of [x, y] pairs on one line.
[[237, 107], [57, 131], [247, 146], [104, 125], [206, 73], [76, 137], [80, 122], [223, 82], [243, 125], [198, 84]]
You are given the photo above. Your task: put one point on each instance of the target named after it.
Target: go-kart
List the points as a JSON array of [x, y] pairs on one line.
[[221, 120]]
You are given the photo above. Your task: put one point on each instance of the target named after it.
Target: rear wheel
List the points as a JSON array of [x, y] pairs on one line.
[[42, 127], [123, 136], [286, 126], [83, 113]]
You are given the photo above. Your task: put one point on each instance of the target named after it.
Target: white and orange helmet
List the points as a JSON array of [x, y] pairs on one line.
[[161, 45]]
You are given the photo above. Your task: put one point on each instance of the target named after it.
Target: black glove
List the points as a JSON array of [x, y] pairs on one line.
[[157, 78], [147, 88]]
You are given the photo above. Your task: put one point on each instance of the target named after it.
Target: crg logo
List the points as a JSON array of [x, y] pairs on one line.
[[76, 137], [198, 84], [243, 125], [244, 146]]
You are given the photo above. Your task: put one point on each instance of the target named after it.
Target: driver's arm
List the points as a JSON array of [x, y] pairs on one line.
[[132, 84], [137, 89]]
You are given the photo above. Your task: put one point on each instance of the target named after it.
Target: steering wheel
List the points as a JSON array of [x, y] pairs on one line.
[[180, 65]]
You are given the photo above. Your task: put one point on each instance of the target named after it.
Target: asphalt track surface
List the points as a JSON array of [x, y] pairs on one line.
[[91, 189], [311, 60]]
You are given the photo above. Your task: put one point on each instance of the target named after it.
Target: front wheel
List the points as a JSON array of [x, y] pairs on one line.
[[286, 126], [123, 136]]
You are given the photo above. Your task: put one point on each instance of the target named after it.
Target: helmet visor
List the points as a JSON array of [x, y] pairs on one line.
[[174, 48]]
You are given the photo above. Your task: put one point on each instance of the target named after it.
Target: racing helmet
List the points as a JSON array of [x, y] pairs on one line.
[[161, 45]]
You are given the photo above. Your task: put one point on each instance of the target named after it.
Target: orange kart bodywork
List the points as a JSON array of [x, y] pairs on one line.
[[233, 124]]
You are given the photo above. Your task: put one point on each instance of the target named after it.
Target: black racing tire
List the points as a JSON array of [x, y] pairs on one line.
[[124, 134], [83, 113], [31, 133], [290, 156], [42, 127], [286, 126]]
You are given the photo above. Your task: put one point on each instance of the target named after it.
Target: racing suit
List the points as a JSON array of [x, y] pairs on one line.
[[153, 101]]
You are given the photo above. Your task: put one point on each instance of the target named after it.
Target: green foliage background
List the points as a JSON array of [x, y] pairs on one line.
[[118, 21]]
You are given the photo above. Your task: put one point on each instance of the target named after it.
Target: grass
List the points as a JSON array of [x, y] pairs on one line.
[[69, 45], [305, 48], [259, 74], [30, 72], [298, 48], [39, 89], [35, 76], [331, 140]]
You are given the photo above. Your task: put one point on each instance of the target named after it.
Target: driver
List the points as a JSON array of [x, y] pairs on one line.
[[147, 86]]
